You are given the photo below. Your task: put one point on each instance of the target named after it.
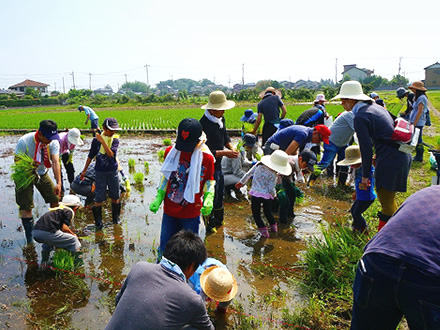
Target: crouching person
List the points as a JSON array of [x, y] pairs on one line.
[[213, 281], [52, 229], [156, 296]]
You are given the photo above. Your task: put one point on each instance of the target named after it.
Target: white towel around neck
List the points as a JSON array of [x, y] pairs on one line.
[[214, 119]]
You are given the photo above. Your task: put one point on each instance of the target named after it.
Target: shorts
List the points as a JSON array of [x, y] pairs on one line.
[[25, 197], [94, 123], [106, 179]]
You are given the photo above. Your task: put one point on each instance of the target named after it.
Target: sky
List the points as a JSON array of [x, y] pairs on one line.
[[93, 43]]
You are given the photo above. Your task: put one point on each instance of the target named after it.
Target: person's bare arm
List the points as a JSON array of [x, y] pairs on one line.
[[283, 111], [65, 229], [257, 123], [292, 148]]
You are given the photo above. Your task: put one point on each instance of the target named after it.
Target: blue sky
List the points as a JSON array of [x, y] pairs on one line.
[[281, 40]]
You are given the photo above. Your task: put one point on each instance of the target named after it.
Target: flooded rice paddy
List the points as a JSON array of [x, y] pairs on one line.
[[35, 298]]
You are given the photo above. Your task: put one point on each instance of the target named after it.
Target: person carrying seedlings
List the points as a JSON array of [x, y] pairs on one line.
[[213, 281], [269, 108], [262, 191], [52, 229], [104, 147], [157, 296], [363, 195], [217, 139], [38, 151], [187, 175], [68, 141], [419, 116], [92, 116], [374, 127]]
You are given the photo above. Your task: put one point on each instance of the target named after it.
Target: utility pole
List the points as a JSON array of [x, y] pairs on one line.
[[336, 71], [73, 78], [242, 70], [125, 78], [229, 81], [214, 81], [400, 61], [55, 86], [64, 89], [146, 68], [90, 81]]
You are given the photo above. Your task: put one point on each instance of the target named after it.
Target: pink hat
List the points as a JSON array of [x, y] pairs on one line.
[[320, 97]]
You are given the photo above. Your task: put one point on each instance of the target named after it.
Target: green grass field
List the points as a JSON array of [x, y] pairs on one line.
[[160, 117]]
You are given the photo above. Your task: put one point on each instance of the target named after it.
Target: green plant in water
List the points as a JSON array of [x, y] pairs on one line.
[[167, 142], [131, 163], [23, 171], [147, 167], [138, 178], [63, 260], [161, 155]]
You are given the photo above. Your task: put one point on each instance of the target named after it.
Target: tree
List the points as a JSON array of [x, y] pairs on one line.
[[399, 80], [35, 93], [329, 91], [137, 87]]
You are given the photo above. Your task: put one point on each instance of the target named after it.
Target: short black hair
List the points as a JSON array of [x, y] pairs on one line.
[[185, 248]]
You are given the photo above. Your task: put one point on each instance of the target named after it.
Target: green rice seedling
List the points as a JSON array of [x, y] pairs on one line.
[[131, 163], [147, 167], [138, 178], [23, 171], [167, 142], [161, 155], [63, 260]]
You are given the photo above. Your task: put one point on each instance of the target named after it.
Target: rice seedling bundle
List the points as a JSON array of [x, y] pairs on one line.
[[23, 171], [131, 163], [138, 178]]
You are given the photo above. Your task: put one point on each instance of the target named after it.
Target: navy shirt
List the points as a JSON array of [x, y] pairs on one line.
[[216, 138], [270, 108], [53, 220], [104, 163], [284, 137]]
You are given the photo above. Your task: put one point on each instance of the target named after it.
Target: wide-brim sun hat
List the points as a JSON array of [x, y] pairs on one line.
[[71, 200], [352, 90], [270, 90], [278, 161], [320, 97], [74, 137], [218, 101], [249, 114], [218, 283], [418, 85], [352, 156]]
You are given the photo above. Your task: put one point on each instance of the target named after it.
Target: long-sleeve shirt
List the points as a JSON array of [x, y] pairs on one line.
[[342, 129], [216, 138], [263, 182]]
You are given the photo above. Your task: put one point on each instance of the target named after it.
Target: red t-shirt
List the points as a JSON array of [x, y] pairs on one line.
[[174, 204]]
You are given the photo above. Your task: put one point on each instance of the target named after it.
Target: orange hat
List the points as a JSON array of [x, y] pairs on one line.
[[324, 131]]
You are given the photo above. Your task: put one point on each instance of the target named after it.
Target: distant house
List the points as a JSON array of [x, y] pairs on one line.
[[356, 73], [432, 76], [21, 87], [287, 84], [10, 91], [107, 90]]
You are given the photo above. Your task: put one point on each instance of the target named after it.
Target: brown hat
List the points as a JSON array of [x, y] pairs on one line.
[[218, 283], [417, 85]]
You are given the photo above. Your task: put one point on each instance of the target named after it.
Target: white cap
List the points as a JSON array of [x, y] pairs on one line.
[[71, 200], [74, 137]]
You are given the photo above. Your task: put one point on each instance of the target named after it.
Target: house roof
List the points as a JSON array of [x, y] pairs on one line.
[[29, 83], [433, 66], [353, 66]]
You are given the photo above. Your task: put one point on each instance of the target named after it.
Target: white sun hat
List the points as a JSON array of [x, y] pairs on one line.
[[320, 97], [74, 137], [218, 101], [278, 161], [218, 284], [71, 200], [352, 90]]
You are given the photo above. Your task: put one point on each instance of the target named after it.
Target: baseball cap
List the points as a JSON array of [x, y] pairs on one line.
[[309, 157], [188, 134], [111, 123], [249, 140], [80, 108], [49, 129], [324, 131]]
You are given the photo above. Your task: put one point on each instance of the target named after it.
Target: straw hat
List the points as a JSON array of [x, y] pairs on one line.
[[352, 90], [278, 161], [218, 101], [74, 137], [417, 85], [270, 90], [352, 156], [218, 284]]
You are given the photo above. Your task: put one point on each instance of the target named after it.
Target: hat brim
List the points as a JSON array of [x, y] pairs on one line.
[[50, 136], [283, 170], [219, 106], [358, 97], [186, 146], [423, 89], [75, 141], [277, 92], [211, 294], [350, 161]]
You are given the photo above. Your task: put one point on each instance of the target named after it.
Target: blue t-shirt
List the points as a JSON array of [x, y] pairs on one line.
[[194, 280], [412, 116], [361, 194], [89, 111], [284, 137]]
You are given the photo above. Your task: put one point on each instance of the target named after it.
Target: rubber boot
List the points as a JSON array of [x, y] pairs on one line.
[[342, 179], [218, 217], [97, 214], [45, 254], [28, 225], [116, 211], [383, 219], [419, 153]]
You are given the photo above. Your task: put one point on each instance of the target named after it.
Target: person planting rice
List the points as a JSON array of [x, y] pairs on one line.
[[364, 195], [213, 124], [213, 281], [52, 229], [42, 149], [92, 116], [68, 141], [187, 175], [262, 191], [104, 147]]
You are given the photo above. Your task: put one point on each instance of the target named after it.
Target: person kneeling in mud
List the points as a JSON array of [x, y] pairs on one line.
[[52, 229]]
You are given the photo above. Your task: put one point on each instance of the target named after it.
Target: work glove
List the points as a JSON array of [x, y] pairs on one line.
[[127, 184], [208, 203], [154, 206], [281, 195], [70, 159]]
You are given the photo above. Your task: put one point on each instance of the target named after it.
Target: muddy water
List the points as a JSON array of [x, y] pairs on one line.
[[32, 298]]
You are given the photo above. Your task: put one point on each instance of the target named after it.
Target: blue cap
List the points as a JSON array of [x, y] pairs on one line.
[[249, 115], [286, 122], [373, 95]]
